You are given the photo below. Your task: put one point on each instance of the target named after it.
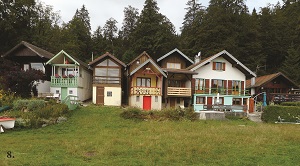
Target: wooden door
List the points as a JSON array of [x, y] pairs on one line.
[[100, 95], [172, 102], [147, 103]]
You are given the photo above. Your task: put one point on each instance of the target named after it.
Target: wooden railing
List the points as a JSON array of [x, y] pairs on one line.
[[145, 90], [106, 80], [64, 82], [177, 91]]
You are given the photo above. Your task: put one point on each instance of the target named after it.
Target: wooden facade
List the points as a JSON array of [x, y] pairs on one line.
[[108, 80], [177, 90]]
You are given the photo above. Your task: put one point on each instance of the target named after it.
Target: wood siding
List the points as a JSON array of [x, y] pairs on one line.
[[174, 58]]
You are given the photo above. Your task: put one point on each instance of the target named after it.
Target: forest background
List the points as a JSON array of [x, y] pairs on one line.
[[266, 41]]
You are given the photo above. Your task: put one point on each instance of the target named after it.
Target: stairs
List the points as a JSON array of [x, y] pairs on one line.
[[255, 117], [71, 101]]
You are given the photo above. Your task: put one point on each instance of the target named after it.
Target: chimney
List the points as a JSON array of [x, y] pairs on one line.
[[198, 57], [252, 81]]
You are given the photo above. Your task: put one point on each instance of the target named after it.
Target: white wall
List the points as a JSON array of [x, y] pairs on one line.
[[43, 86], [94, 94], [154, 105], [115, 99], [230, 73]]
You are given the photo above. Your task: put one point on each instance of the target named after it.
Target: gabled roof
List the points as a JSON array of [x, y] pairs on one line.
[[40, 52], [231, 58], [262, 80], [74, 59], [107, 55], [146, 62], [143, 53], [171, 52]]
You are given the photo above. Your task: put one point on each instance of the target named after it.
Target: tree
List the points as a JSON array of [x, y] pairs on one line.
[[15, 80], [291, 65], [131, 16], [154, 32], [110, 30], [191, 24]]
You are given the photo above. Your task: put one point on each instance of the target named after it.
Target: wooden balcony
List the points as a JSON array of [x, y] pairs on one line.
[[65, 82], [178, 91], [106, 80], [145, 90]]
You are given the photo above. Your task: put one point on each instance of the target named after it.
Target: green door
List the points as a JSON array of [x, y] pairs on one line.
[[64, 93]]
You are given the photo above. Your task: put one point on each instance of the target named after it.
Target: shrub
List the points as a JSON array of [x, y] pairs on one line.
[[7, 98], [30, 105], [290, 104], [165, 114], [288, 113]]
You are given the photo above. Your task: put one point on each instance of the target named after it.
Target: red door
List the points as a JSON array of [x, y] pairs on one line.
[[209, 102], [147, 103]]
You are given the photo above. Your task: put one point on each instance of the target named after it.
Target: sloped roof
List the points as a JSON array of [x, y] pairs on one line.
[[262, 80], [76, 60], [171, 52], [228, 56], [146, 62], [107, 54], [143, 53], [39, 51]]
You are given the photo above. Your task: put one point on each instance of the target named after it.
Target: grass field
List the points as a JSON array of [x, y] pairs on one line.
[[99, 136]]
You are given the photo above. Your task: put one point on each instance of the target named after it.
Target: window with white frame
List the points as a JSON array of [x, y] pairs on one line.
[[199, 84], [143, 82], [200, 100], [173, 65]]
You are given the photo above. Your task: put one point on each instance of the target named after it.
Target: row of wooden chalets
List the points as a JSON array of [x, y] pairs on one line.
[[173, 80]]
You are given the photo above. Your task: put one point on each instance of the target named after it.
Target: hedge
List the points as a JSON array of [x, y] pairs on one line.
[[290, 104], [288, 113]]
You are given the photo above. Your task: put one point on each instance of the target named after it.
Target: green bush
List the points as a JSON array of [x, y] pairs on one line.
[[165, 114], [7, 98], [29, 105], [288, 113], [290, 104]]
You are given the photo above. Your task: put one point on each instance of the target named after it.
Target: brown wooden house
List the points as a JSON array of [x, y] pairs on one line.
[[274, 85], [108, 79], [177, 91], [145, 80], [29, 56]]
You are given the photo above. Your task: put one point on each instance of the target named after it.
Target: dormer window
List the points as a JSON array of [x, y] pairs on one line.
[[173, 65], [219, 66]]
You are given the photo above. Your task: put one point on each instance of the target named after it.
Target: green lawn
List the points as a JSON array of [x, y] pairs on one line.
[[99, 136]]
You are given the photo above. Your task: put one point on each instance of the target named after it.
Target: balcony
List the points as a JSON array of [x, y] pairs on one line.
[[222, 91], [65, 82], [145, 90], [106, 80], [177, 91]]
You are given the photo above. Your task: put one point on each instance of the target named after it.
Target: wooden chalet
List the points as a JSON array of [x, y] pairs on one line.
[[277, 86], [29, 56], [108, 80], [70, 76], [177, 91], [145, 81]]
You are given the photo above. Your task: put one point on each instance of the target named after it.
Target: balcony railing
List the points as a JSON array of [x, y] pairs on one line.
[[177, 91], [222, 91], [106, 80], [64, 82], [145, 90]]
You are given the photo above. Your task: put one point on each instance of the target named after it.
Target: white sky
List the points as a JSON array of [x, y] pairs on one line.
[[101, 10]]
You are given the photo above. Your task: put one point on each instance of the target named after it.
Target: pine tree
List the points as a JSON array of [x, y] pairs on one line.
[[291, 65]]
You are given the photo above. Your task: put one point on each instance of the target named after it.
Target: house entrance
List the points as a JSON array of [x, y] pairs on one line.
[[147, 103], [100, 95]]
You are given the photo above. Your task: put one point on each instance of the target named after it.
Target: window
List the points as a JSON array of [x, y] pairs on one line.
[[175, 83], [144, 82], [156, 98], [200, 100], [26, 67], [199, 84], [70, 91], [70, 72], [137, 98], [173, 65], [109, 94], [219, 66], [217, 86], [236, 101], [57, 91], [236, 86], [221, 100], [38, 66]]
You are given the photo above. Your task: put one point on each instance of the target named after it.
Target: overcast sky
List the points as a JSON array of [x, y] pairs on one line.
[[102, 10]]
